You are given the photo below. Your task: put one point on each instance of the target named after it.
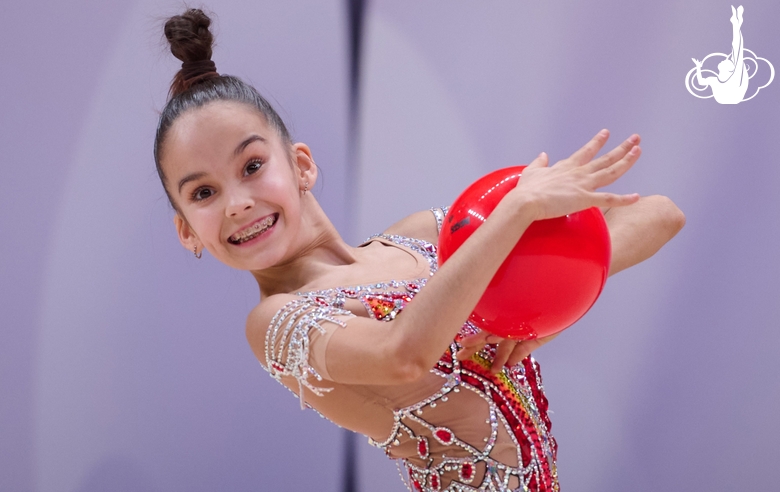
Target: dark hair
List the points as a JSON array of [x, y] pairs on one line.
[[198, 83]]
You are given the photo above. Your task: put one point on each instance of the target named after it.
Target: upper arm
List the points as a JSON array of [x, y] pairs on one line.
[[282, 330], [420, 225], [297, 339], [639, 230]]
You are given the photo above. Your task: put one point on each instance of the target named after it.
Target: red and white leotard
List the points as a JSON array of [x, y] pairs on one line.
[[459, 428]]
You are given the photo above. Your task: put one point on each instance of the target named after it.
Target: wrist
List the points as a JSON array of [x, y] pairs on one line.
[[522, 206]]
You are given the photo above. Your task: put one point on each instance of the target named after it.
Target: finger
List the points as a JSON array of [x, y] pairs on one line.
[[613, 200], [590, 149], [503, 351], [540, 161], [612, 172], [472, 344], [466, 352], [615, 154], [521, 351], [480, 339]]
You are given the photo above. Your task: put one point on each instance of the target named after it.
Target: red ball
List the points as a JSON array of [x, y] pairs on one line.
[[552, 276]]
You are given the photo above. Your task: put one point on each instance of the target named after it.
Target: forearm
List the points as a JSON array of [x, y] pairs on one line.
[[438, 312], [638, 231]]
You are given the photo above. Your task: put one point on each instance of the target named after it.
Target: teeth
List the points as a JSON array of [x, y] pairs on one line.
[[253, 231]]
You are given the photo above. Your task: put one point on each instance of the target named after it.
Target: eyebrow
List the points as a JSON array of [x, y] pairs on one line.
[[245, 143], [190, 177]]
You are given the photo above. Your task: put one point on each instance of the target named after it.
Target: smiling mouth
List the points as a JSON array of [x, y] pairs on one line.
[[253, 231]]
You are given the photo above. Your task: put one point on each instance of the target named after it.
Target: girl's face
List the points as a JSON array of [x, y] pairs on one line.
[[237, 185]]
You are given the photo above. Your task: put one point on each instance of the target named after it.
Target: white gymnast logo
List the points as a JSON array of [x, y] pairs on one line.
[[735, 70]]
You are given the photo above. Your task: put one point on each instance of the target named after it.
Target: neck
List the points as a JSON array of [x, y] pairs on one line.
[[320, 252]]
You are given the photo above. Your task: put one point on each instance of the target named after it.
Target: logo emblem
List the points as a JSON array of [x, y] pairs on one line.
[[729, 85]]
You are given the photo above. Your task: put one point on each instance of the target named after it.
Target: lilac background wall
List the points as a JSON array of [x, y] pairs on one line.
[[123, 364], [124, 360]]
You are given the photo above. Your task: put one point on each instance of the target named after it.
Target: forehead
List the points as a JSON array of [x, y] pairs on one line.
[[211, 133]]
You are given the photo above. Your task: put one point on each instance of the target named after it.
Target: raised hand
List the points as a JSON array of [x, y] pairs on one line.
[[696, 62], [570, 185]]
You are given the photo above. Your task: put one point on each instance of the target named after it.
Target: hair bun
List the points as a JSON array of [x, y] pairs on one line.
[[191, 42]]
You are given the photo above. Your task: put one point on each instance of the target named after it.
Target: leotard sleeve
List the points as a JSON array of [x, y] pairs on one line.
[[296, 340]]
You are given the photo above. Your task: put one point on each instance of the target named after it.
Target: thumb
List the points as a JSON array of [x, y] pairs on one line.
[[540, 161]]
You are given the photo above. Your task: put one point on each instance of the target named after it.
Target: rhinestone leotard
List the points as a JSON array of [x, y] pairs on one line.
[[473, 431]]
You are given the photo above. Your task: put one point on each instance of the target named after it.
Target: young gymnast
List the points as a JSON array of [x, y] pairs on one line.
[[375, 337]]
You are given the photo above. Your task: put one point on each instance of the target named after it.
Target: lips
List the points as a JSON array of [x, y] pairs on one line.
[[254, 230]]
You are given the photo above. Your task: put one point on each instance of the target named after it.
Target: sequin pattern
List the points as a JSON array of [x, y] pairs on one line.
[[514, 397], [287, 341]]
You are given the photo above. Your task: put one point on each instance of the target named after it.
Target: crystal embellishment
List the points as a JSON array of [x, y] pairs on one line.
[[422, 447], [443, 435]]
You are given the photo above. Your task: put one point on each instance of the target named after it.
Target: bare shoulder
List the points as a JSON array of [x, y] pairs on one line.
[[259, 319], [419, 225]]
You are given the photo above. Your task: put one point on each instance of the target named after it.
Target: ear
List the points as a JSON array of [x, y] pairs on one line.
[[305, 168], [187, 236]]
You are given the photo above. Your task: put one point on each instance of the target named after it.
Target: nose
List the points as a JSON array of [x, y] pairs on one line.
[[239, 203]]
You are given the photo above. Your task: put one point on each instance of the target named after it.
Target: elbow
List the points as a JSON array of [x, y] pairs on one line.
[[412, 367], [679, 220], [410, 372], [409, 363], [676, 217], [672, 217]]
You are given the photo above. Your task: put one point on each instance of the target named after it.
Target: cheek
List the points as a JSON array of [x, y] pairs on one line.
[[282, 192], [206, 223], [289, 205]]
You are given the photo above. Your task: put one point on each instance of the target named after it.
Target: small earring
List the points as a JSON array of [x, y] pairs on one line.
[[306, 188], [195, 251]]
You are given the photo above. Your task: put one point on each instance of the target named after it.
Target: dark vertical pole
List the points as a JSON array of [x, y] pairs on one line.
[[355, 20], [356, 15], [349, 478], [357, 10]]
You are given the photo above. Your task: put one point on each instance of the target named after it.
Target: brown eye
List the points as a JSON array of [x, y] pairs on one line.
[[201, 194], [253, 166]]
